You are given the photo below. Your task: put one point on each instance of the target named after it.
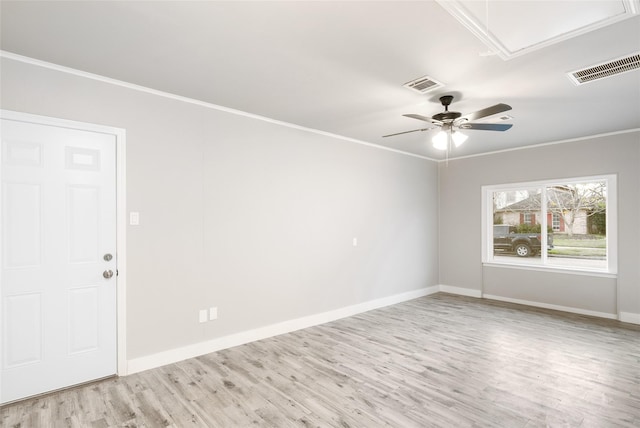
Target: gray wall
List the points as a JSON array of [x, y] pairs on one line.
[[249, 216], [460, 223], [257, 219]]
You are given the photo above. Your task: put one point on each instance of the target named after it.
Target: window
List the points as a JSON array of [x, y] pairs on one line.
[[555, 222], [561, 224]]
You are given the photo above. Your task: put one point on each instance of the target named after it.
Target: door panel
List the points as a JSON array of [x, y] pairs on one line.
[[83, 319], [58, 220], [23, 329], [22, 219], [83, 224]]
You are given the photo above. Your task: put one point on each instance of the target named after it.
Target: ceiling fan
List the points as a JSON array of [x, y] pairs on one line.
[[451, 122]]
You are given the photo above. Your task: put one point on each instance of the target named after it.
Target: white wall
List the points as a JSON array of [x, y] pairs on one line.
[[460, 224], [246, 215]]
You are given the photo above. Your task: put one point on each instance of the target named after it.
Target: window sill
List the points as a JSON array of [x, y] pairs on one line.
[[551, 269]]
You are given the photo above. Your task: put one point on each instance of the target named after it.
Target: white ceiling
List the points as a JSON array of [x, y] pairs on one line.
[[339, 66]]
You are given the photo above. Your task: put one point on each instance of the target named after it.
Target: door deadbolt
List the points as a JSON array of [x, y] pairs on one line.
[[107, 257], [107, 273]]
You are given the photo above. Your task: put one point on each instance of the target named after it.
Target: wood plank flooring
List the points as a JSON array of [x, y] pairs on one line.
[[438, 361]]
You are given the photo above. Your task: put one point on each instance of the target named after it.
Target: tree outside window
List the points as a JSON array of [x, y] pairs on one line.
[[575, 203]]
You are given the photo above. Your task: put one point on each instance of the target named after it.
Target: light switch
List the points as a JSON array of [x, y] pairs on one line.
[[355, 242], [134, 218], [213, 313], [203, 315]]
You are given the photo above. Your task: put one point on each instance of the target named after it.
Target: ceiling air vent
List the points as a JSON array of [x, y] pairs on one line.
[[607, 69], [423, 84]]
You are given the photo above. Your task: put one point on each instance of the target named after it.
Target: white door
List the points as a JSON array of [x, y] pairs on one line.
[[58, 228]]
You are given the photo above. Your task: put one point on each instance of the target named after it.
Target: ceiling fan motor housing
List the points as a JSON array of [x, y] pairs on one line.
[[447, 116]]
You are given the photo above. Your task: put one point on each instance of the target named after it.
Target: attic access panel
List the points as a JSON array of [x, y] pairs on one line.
[[513, 28]]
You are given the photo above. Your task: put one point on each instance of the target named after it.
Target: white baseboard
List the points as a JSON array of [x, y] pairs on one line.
[[629, 317], [554, 307], [174, 355], [470, 292]]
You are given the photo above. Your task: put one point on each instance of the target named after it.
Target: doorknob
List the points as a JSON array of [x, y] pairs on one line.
[[107, 273], [107, 257]]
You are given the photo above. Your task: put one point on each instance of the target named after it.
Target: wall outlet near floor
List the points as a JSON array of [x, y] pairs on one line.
[[213, 313], [202, 315]]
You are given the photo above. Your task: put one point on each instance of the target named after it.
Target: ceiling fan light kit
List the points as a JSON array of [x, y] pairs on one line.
[[450, 123], [442, 140], [458, 138]]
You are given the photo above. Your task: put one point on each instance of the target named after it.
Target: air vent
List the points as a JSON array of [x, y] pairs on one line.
[[607, 69], [423, 84]]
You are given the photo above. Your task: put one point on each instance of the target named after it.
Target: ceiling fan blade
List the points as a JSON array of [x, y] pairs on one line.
[[423, 118], [406, 132], [486, 126], [489, 111]]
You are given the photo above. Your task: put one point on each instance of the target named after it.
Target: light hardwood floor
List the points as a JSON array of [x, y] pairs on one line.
[[438, 361]]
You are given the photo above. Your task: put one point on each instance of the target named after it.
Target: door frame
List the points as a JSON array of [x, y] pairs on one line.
[[121, 216]]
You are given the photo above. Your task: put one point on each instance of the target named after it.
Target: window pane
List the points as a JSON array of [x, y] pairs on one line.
[[517, 215], [577, 214]]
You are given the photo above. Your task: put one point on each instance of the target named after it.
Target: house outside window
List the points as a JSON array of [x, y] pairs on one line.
[[559, 224]]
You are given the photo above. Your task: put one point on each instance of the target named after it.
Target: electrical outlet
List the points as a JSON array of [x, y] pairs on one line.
[[213, 313], [203, 315]]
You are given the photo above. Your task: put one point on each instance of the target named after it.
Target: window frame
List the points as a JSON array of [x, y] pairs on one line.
[[611, 226]]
